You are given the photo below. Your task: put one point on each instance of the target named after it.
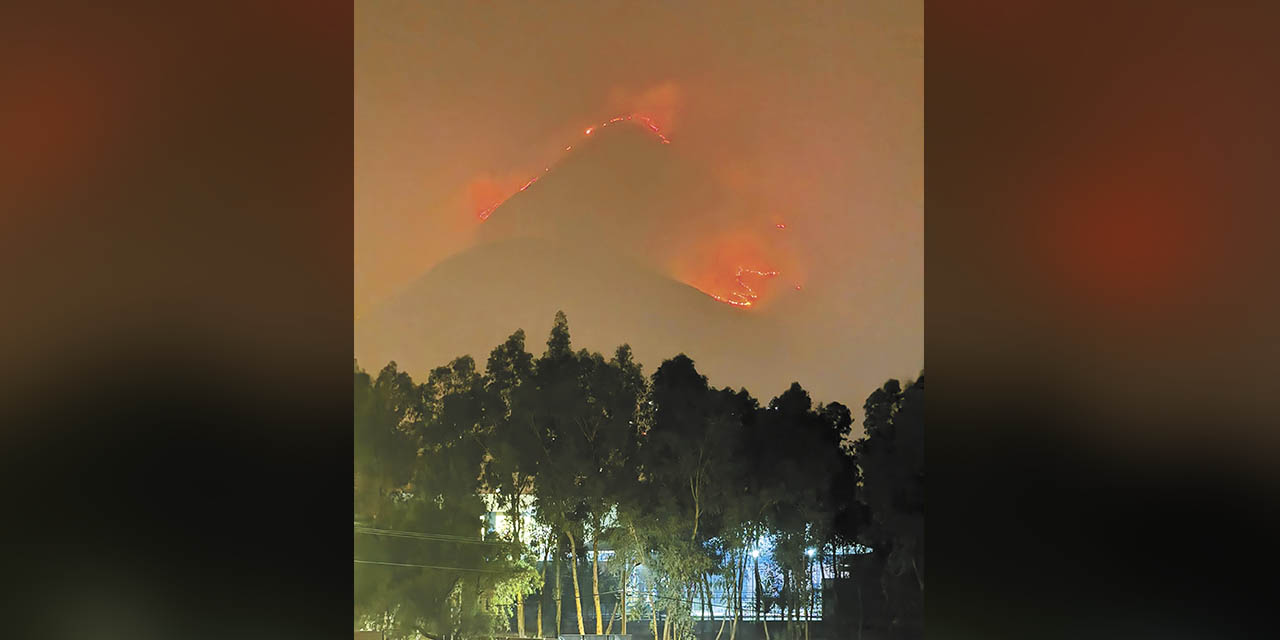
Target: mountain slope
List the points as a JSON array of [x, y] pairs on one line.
[[472, 302], [619, 188], [592, 236]]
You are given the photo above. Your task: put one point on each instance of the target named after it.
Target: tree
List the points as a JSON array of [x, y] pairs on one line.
[[512, 460], [421, 568], [891, 458], [606, 442], [389, 415], [678, 478], [554, 411]]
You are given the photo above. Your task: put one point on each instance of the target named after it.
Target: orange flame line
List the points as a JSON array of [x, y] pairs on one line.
[[485, 213], [747, 296]]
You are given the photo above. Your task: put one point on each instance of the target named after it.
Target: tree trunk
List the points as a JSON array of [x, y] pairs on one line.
[[755, 562], [520, 615], [559, 596], [653, 612], [697, 508], [760, 599], [732, 599], [515, 538], [609, 628], [808, 614], [595, 581], [542, 595], [702, 598], [577, 591], [626, 573], [786, 603], [711, 607], [813, 600]]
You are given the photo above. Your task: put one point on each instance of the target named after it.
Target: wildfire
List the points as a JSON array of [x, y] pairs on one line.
[[742, 297], [747, 296], [645, 120]]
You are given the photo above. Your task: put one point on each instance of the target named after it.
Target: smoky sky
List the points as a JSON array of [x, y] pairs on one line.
[[808, 115]]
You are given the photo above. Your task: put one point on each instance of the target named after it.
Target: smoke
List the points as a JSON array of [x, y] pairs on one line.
[[810, 117], [488, 190], [660, 102]]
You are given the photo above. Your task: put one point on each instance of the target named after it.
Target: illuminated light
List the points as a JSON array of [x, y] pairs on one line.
[[747, 296], [755, 553], [780, 225], [798, 287], [809, 552], [485, 213]]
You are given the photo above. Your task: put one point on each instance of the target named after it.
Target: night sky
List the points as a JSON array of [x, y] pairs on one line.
[[808, 116]]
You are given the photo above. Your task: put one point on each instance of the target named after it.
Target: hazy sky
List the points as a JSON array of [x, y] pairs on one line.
[[804, 114]]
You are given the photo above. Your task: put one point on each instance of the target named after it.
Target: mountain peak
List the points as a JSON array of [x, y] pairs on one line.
[[607, 188]]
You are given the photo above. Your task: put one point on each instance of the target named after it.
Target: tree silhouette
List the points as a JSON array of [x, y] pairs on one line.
[[892, 461], [676, 477]]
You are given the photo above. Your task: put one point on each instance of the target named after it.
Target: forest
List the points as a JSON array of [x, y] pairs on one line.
[[570, 493]]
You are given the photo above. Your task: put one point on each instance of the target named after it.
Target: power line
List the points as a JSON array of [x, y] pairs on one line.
[[433, 537], [426, 566]]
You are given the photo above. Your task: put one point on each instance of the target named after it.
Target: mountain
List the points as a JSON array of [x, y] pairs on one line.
[[585, 238], [470, 303], [619, 188]]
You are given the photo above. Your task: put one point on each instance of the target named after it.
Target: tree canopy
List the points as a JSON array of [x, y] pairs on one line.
[[674, 480]]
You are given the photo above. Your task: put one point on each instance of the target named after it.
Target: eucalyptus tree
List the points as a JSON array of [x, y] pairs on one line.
[[390, 412], [607, 442], [421, 568], [891, 457], [553, 406], [512, 461]]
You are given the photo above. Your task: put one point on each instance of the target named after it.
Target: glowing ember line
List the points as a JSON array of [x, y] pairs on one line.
[[654, 128], [485, 213], [747, 296]]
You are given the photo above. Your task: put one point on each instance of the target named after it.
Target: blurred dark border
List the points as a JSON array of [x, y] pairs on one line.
[[176, 198], [1101, 319], [176, 188]]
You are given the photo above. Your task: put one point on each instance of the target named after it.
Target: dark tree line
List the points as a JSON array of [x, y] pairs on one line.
[[678, 479]]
